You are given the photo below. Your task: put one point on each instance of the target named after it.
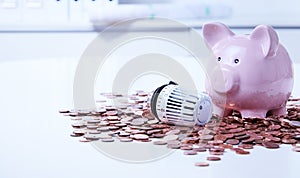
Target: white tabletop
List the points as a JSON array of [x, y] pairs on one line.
[[35, 139]]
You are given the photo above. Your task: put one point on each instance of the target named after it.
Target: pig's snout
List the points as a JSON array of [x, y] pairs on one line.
[[224, 79]]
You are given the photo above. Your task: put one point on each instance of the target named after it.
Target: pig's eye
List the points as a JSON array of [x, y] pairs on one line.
[[236, 61], [219, 58]]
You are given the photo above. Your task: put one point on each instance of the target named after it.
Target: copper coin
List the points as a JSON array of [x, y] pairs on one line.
[[232, 141], [246, 146], [213, 158], [274, 127], [201, 164], [243, 137], [241, 151], [270, 145], [159, 142], [216, 153], [288, 140], [200, 149], [220, 137], [239, 129], [190, 152], [216, 149], [186, 148], [249, 140]]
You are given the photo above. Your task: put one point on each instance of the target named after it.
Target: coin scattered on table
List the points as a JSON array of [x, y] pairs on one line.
[[132, 121], [213, 158], [202, 164]]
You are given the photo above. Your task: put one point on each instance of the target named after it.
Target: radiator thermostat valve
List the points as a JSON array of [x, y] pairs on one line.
[[172, 104]]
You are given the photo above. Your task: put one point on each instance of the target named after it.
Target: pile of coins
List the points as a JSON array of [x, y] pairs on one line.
[[131, 121]]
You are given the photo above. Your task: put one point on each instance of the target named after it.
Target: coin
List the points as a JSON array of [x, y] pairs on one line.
[[91, 126], [213, 158], [173, 132], [202, 164], [133, 120], [186, 148], [93, 121], [173, 146], [91, 137], [296, 149], [94, 132], [200, 149], [137, 122], [241, 151], [78, 125], [190, 152], [160, 142], [246, 146], [103, 129], [270, 145], [295, 123], [170, 137], [126, 140], [107, 140], [232, 141], [140, 136], [64, 111], [79, 132]]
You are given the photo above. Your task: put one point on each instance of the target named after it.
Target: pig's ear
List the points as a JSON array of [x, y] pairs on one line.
[[214, 32], [267, 38]]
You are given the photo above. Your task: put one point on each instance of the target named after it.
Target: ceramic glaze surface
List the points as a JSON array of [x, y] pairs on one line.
[[257, 73]]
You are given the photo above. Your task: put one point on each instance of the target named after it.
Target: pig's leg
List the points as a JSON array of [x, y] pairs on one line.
[[221, 111], [279, 112], [253, 113]]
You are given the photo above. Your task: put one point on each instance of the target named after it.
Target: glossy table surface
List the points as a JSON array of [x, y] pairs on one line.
[[35, 139]]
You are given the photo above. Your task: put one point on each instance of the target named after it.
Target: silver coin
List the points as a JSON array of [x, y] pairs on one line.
[[137, 122], [91, 136], [295, 123], [170, 137], [107, 140]]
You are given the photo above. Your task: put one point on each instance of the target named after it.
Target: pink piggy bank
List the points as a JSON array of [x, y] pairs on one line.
[[257, 73]]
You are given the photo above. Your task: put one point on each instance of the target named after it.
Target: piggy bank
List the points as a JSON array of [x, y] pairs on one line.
[[257, 73]]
